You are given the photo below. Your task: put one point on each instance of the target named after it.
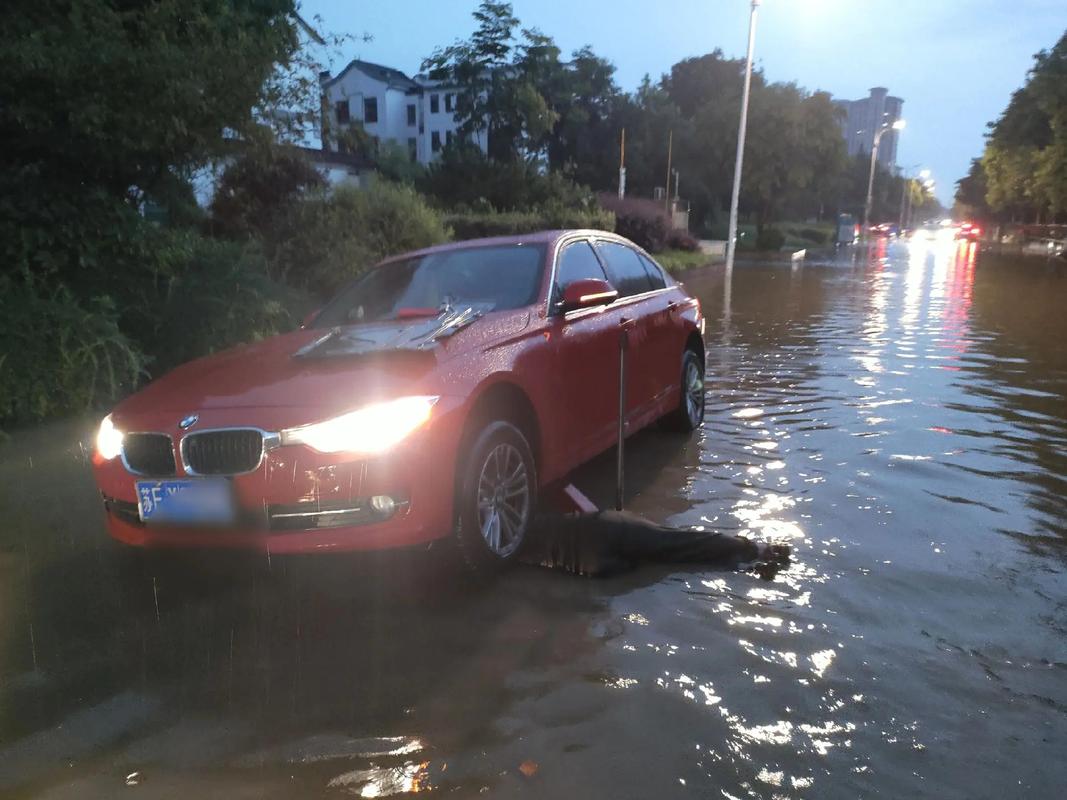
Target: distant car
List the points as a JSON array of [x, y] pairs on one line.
[[434, 396], [884, 229], [969, 231]]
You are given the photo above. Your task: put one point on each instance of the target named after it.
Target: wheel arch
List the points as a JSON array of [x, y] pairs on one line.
[[503, 399], [695, 342]]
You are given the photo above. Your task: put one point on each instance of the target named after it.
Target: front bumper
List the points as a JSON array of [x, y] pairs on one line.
[[301, 501]]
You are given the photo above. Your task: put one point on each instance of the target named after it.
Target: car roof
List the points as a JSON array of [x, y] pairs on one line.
[[538, 237]]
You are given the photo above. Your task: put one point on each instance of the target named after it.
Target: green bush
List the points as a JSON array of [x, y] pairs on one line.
[[207, 295], [60, 355], [681, 240], [476, 225], [464, 178], [804, 235], [259, 186], [643, 222], [332, 236], [770, 239], [680, 260], [814, 235]]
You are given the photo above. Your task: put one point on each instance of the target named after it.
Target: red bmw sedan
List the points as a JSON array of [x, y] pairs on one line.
[[435, 396]]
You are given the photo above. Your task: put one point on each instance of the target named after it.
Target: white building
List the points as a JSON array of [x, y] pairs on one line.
[[416, 113]]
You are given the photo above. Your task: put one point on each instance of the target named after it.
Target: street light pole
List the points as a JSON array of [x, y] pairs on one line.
[[731, 241], [878, 134]]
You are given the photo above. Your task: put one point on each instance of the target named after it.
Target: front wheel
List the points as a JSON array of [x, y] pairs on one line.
[[496, 497], [689, 415]]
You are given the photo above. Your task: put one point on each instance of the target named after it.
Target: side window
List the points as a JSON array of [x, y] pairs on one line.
[[655, 273], [576, 261], [625, 270]]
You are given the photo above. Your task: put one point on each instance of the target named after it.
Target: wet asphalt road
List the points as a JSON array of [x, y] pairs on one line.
[[899, 416]]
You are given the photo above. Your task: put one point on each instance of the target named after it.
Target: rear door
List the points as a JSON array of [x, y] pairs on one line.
[[668, 333], [642, 307]]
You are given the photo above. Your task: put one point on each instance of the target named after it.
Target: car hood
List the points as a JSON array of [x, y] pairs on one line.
[[323, 369]]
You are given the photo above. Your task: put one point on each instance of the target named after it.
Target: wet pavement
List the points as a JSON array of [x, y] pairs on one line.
[[899, 416]]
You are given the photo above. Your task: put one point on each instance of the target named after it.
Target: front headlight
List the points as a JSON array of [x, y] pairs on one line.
[[108, 439], [369, 430]]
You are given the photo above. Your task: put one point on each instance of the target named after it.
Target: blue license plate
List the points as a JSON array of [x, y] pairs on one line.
[[190, 501]]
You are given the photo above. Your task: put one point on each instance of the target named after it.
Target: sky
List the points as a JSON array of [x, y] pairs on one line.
[[955, 63]]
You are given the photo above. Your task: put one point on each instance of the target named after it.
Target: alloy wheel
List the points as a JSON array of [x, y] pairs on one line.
[[694, 393], [503, 499]]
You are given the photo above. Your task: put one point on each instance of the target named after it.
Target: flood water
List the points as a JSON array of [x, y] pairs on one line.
[[898, 415]]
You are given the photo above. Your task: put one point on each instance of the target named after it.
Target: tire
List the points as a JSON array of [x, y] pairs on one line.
[[496, 497], [689, 415]]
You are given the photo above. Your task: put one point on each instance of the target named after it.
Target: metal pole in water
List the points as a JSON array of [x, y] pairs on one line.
[[619, 450], [731, 235]]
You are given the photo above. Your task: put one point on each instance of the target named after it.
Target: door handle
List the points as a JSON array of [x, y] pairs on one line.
[[672, 306]]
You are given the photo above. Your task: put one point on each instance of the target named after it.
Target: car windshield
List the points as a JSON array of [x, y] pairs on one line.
[[496, 278]]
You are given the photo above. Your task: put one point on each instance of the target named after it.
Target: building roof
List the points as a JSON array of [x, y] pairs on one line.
[[387, 75]]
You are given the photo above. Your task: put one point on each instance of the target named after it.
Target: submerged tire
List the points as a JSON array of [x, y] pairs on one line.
[[496, 497], [689, 415]]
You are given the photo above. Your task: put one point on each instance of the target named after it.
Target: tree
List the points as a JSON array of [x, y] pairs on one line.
[[711, 78], [260, 187], [105, 103], [586, 99], [100, 94], [1025, 159], [482, 68], [971, 191]]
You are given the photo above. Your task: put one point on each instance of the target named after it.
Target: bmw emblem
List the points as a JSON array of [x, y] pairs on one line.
[[189, 422]]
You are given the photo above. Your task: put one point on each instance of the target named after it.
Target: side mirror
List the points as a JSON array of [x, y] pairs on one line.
[[587, 293], [306, 322]]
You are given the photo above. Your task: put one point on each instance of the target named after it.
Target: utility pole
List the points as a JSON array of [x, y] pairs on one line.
[[667, 188], [731, 241], [878, 134], [622, 165]]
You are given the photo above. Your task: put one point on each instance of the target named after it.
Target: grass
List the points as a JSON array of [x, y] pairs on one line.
[[680, 260]]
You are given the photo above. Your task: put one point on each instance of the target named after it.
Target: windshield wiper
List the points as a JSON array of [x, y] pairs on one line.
[[303, 351], [454, 323]]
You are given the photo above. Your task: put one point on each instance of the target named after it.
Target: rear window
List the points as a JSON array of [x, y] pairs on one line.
[[494, 278], [655, 273], [625, 270]]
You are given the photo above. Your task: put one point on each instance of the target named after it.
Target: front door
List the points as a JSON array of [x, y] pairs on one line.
[[586, 354]]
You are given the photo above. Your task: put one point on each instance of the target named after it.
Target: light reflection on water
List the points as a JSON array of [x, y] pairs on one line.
[[896, 399]]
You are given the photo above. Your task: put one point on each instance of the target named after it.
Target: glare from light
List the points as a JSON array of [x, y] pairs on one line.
[[108, 439], [924, 174], [369, 430], [898, 125]]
